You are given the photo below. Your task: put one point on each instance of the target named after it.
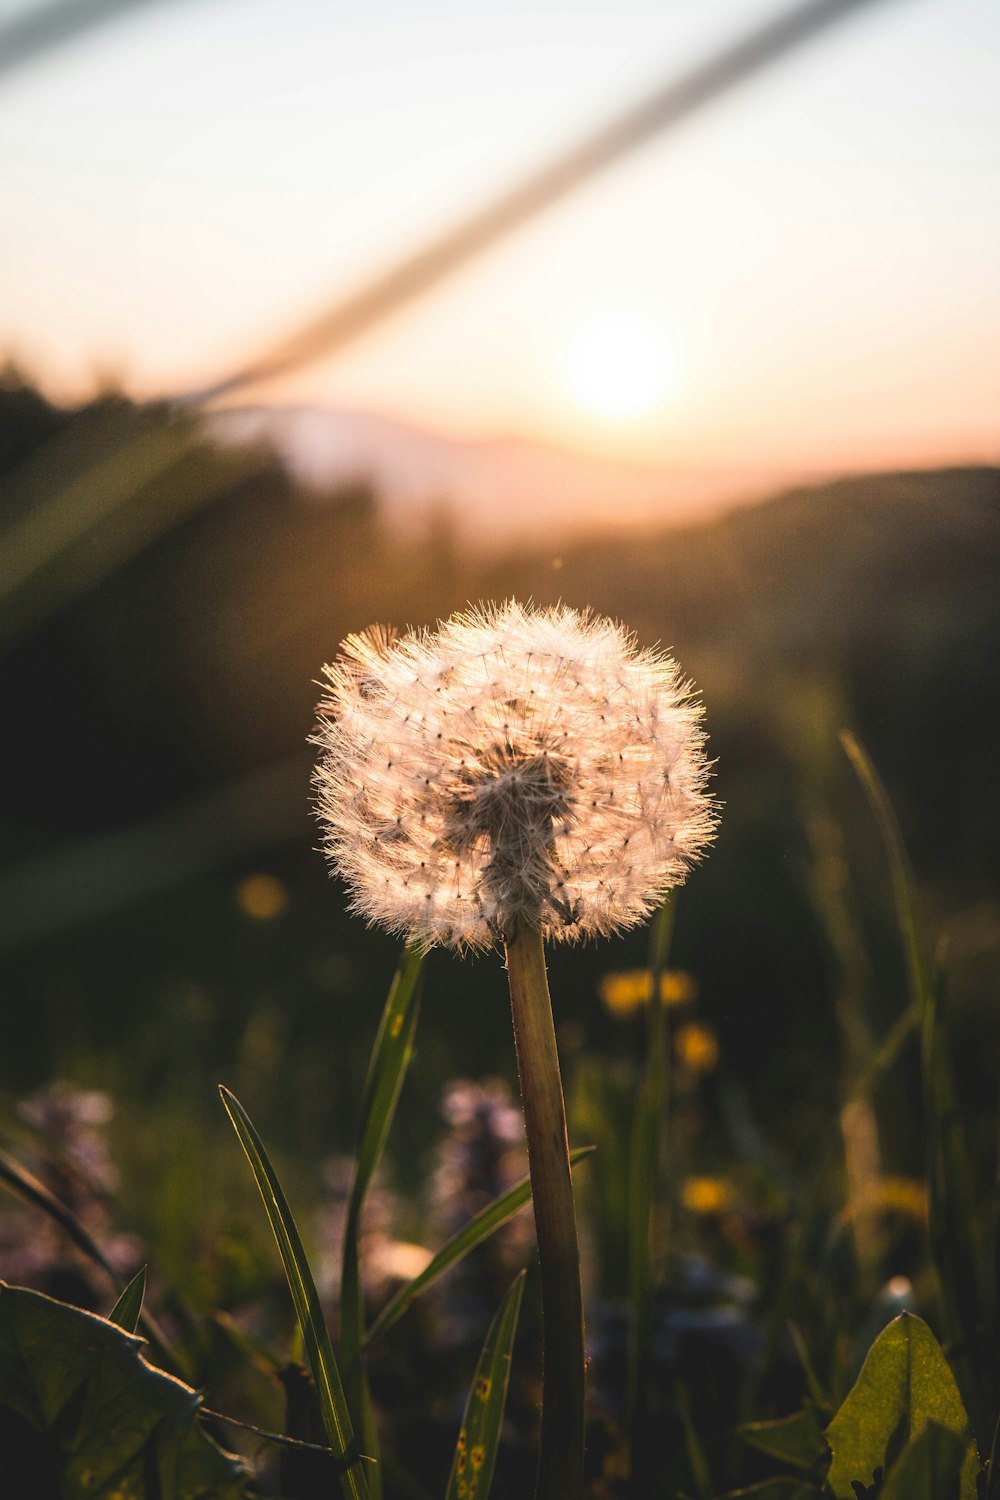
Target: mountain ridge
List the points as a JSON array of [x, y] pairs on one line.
[[495, 488]]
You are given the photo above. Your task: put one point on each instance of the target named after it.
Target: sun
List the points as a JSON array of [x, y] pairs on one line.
[[621, 367]]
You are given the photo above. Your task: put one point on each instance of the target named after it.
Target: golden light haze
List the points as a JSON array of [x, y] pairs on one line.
[[809, 266]]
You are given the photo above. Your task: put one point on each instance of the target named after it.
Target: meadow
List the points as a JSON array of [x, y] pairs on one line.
[[788, 1217]]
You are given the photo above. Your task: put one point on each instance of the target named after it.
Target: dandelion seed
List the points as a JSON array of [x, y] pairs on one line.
[[515, 765]]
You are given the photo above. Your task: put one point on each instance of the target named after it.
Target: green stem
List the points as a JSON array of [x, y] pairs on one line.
[[560, 1463], [352, 1328]]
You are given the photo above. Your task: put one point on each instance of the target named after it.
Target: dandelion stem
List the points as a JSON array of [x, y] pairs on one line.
[[560, 1464]]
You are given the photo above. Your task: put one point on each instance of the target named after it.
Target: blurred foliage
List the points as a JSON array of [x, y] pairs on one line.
[[166, 924]]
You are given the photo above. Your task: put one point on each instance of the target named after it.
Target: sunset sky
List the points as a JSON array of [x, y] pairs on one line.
[[805, 274]]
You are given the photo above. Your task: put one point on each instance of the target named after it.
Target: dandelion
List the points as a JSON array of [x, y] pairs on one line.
[[516, 764], [706, 1195], [628, 991], [697, 1047], [516, 775]]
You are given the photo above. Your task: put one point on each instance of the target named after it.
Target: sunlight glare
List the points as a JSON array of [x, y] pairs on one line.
[[620, 367]]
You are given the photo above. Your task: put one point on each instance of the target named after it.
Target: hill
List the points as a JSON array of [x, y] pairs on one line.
[[494, 491]]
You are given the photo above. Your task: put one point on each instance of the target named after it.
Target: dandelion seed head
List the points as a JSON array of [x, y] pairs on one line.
[[516, 764]]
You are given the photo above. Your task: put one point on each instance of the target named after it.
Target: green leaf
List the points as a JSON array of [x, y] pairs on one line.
[[478, 1229], [904, 1383], [387, 1065], [386, 1070], [316, 1336], [83, 1415], [930, 1468], [479, 1435], [797, 1440], [128, 1309]]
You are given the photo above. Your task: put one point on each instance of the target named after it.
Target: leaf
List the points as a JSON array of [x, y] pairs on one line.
[[930, 1468], [904, 1383], [479, 1434], [83, 1415], [478, 1229], [797, 1440], [128, 1309], [316, 1336], [387, 1067]]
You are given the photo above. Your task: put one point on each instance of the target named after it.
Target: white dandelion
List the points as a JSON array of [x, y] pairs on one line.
[[515, 765], [517, 774]]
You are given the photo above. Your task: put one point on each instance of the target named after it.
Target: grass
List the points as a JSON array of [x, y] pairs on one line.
[[744, 1283]]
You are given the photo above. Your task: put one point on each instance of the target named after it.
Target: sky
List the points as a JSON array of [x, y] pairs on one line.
[[804, 275]]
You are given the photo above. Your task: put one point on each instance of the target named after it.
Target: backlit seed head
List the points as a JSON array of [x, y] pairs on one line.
[[514, 765]]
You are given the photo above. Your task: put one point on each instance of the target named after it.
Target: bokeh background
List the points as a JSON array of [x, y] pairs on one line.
[[315, 318]]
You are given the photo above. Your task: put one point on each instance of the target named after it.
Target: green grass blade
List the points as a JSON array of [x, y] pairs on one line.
[[329, 1389], [479, 1435], [645, 1154], [992, 1490], [811, 1217], [962, 1280], [697, 1461], [24, 1185], [478, 1229], [902, 881], [388, 1063], [884, 1055], [964, 1273], [386, 1070], [128, 1309], [818, 1393]]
